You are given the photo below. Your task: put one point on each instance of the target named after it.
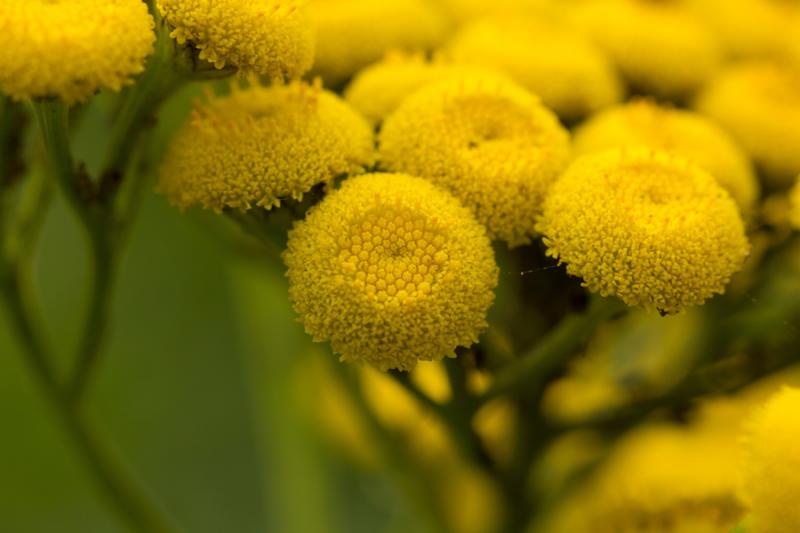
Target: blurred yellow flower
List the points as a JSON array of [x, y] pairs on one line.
[[650, 228], [644, 123], [268, 37], [465, 11], [794, 204], [391, 270], [488, 141], [351, 34], [759, 103], [770, 479], [260, 145], [660, 47], [71, 49], [569, 74]]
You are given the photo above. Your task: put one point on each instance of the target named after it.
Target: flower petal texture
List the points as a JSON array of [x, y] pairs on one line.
[[70, 49], [648, 227], [268, 37], [488, 141], [260, 145], [391, 270], [687, 134], [771, 478]]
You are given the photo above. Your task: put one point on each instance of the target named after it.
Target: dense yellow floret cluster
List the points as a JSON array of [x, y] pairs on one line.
[[488, 141], [391, 270], [759, 103], [650, 228], [351, 34], [569, 74], [644, 123], [660, 47], [268, 37], [70, 49], [771, 475], [260, 145]]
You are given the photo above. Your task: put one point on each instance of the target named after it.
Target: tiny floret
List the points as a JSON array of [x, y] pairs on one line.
[[391, 270], [648, 227], [70, 49], [485, 139], [261, 145], [771, 474], [272, 38]]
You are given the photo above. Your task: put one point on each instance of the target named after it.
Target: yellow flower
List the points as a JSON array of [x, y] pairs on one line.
[[260, 145], [268, 37], [71, 49], [648, 227], [759, 103], [354, 33], [660, 47], [464, 11], [378, 90], [569, 74], [794, 202], [488, 141], [391, 270], [681, 132], [770, 480]]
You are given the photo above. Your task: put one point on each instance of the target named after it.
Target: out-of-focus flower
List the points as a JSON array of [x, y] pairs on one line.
[[759, 103], [644, 123], [378, 90], [569, 74], [71, 49], [260, 145], [268, 37], [794, 205], [465, 11], [660, 47], [770, 479], [650, 228], [488, 141], [354, 33], [391, 270]]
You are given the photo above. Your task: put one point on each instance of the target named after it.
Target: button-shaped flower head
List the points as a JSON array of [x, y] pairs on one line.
[[570, 74], [770, 478], [488, 141], [391, 270], [759, 103], [644, 123], [260, 145], [648, 227], [69, 49], [268, 37]]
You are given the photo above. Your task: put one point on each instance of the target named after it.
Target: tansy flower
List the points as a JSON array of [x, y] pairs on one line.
[[660, 47], [648, 227], [569, 74], [391, 270], [759, 103], [70, 49], [771, 478], [465, 11], [794, 202], [488, 141], [680, 132], [354, 33], [260, 145], [268, 37]]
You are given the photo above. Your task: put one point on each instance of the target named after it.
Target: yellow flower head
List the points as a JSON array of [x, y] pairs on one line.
[[794, 201], [268, 37], [378, 90], [391, 270], [771, 478], [569, 74], [488, 141], [71, 48], [644, 123], [351, 34], [759, 103], [260, 145], [660, 47], [648, 227]]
